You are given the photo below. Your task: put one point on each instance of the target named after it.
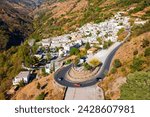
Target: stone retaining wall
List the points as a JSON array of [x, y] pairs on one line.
[[77, 76]]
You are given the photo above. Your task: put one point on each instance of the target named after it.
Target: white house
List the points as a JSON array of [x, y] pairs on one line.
[[47, 68], [67, 48], [38, 56], [139, 21], [61, 52], [46, 42], [22, 76]]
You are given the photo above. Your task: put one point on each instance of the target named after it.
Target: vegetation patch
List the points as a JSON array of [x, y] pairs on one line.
[[147, 52], [117, 63], [137, 87], [137, 64], [87, 66], [41, 96], [94, 62]]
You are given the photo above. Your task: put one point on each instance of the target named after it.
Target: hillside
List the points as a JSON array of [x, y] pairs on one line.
[[32, 4], [47, 86], [38, 19], [16, 21], [121, 81], [15, 25], [63, 17]]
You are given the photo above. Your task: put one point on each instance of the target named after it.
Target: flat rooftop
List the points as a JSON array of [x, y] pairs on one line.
[[23, 74]]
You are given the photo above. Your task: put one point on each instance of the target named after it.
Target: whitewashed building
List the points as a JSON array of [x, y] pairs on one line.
[[47, 68], [22, 76], [46, 42], [61, 52]]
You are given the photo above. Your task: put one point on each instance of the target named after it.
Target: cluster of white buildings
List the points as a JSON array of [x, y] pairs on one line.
[[106, 30], [88, 33]]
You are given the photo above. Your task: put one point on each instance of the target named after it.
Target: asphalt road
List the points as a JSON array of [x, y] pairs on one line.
[[61, 73]]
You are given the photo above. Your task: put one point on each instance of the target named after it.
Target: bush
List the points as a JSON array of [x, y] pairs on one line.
[[41, 96], [99, 39], [87, 66], [74, 51], [107, 44], [117, 63], [94, 62], [87, 46], [67, 62], [38, 85], [145, 43], [113, 70], [147, 52], [120, 31], [137, 64], [21, 83], [123, 69], [135, 52], [137, 87]]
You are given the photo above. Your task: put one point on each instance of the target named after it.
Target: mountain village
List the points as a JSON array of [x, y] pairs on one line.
[[58, 48]]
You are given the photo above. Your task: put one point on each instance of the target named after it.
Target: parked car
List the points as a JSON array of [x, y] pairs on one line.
[[98, 79], [77, 85], [60, 79]]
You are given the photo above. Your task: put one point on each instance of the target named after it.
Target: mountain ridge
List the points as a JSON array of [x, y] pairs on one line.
[[15, 14]]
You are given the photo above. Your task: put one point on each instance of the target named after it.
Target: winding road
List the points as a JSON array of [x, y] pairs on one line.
[[61, 73]]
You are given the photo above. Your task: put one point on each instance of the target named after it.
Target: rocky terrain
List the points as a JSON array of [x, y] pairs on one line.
[[44, 85]]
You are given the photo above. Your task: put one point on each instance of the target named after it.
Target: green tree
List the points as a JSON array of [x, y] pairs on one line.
[[107, 44], [21, 83], [41, 96], [117, 63], [94, 62], [48, 56], [137, 64], [113, 70], [99, 39], [87, 46], [147, 52], [120, 31], [35, 48], [38, 85], [145, 43], [74, 51], [87, 66], [44, 72]]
